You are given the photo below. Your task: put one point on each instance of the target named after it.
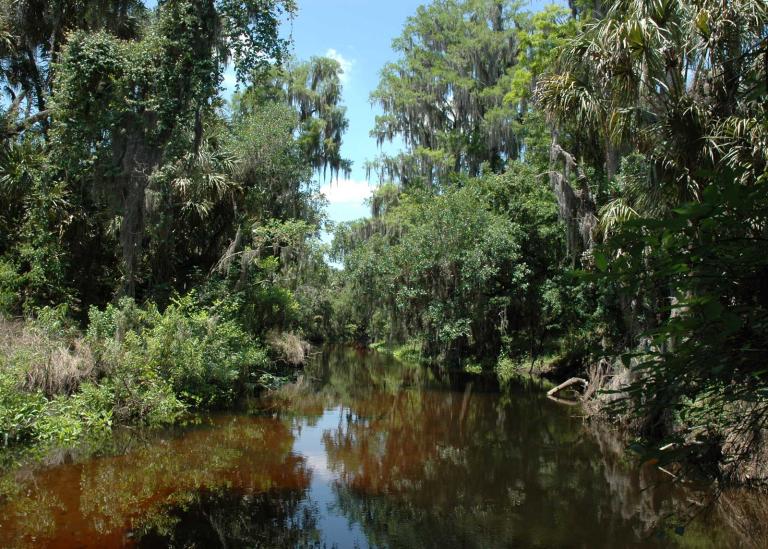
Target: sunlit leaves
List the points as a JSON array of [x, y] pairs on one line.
[[459, 271]]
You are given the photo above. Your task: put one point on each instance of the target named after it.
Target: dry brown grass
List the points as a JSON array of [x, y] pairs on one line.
[[44, 362], [288, 347], [744, 445]]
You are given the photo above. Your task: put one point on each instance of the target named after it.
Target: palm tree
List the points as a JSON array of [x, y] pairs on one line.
[[670, 81]]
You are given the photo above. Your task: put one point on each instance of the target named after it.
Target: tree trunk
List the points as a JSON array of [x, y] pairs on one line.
[[576, 207], [137, 158]]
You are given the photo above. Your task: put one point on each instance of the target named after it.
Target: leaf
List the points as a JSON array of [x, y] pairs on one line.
[[601, 261], [702, 23], [694, 210]]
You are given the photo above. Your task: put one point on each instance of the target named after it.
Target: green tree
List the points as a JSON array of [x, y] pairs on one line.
[[445, 96], [463, 272], [32, 37], [661, 102], [313, 89]]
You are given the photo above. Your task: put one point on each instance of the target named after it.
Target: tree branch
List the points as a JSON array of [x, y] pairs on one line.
[[566, 384], [26, 123]]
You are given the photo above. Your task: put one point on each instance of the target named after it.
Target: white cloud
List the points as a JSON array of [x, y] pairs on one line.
[[346, 191], [230, 79], [346, 64]]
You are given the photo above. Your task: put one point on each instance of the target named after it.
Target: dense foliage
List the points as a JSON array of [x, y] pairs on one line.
[[584, 185], [625, 231], [159, 247], [463, 273], [464, 256], [460, 92], [672, 96]]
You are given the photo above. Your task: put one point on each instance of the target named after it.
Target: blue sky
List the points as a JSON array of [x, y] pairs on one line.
[[358, 34]]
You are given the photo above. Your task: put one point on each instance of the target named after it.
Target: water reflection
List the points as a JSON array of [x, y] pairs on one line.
[[442, 468], [116, 500], [366, 452]]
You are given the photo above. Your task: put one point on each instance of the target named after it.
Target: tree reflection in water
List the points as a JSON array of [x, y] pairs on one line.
[[116, 500], [429, 460], [462, 467], [367, 451]]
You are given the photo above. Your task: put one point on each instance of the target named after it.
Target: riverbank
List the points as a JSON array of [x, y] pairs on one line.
[[731, 451], [131, 366], [731, 448]]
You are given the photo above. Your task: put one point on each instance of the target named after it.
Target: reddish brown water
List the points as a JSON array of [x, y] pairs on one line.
[[364, 452]]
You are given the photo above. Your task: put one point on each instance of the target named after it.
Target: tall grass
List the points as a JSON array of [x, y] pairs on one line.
[[288, 347]]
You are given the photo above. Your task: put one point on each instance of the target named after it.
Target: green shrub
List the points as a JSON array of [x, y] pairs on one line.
[[507, 368], [28, 416], [66, 420], [19, 410], [472, 367], [10, 288], [43, 380], [202, 359], [410, 352], [135, 365]]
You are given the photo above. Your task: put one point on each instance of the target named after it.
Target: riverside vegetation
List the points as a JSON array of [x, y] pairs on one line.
[[161, 245], [580, 187]]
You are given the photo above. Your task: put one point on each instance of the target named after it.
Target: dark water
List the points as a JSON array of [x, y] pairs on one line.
[[367, 452]]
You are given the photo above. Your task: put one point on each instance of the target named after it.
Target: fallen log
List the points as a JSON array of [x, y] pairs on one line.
[[566, 401], [569, 383]]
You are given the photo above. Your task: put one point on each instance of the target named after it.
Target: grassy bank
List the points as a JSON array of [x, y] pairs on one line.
[[132, 365]]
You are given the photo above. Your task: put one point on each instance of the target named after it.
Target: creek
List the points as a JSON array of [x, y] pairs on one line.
[[364, 451]]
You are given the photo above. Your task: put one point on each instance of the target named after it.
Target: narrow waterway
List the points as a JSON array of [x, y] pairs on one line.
[[366, 452]]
